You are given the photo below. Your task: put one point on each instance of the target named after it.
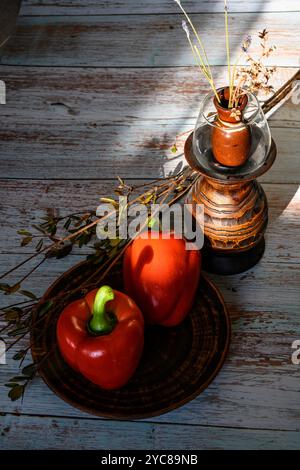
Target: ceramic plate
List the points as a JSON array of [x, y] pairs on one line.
[[177, 365]]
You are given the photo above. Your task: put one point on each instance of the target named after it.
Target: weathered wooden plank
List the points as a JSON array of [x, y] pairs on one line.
[[87, 152], [100, 123], [150, 41], [107, 7], [270, 287], [57, 433], [105, 96], [23, 202]]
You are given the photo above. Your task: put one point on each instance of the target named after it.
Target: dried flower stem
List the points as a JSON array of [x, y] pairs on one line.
[[19, 265], [198, 38], [228, 54], [233, 78], [204, 63], [210, 80]]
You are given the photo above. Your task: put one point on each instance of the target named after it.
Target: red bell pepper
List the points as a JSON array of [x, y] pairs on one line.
[[162, 277], [102, 336]]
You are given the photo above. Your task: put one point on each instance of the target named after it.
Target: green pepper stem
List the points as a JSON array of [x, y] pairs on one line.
[[101, 323]]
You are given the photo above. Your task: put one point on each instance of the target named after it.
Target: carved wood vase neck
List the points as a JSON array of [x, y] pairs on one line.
[[231, 136]]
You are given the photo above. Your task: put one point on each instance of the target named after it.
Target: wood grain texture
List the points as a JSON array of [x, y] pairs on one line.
[[67, 115], [280, 276], [113, 7], [119, 96], [97, 123], [22, 203], [62, 433], [150, 41], [85, 152]]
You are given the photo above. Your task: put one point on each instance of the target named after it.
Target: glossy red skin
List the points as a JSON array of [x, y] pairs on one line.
[[162, 277], [108, 360]]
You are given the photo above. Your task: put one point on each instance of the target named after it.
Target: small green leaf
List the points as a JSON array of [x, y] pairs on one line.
[[147, 198], [10, 385], [45, 307], [152, 222], [84, 239], [39, 245], [67, 223], [19, 355], [28, 294], [75, 217], [18, 378], [52, 229], [26, 241], [174, 149], [24, 232], [39, 229], [109, 201], [16, 392], [29, 370], [13, 314], [19, 331]]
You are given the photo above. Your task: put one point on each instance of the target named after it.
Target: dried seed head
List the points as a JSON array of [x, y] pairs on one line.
[[185, 28], [246, 43]]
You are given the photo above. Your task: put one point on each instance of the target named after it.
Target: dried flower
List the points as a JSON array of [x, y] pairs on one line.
[[246, 43], [256, 75], [236, 113], [185, 28], [263, 34]]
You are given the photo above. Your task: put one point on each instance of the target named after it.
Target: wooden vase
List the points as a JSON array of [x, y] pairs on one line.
[[235, 216]]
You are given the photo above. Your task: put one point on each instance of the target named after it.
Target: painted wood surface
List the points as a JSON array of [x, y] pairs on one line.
[[112, 7], [115, 96], [143, 41], [58, 433], [84, 105], [67, 116], [23, 202]]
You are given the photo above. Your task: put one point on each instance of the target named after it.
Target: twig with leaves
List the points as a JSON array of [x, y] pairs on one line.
[[80, 230]]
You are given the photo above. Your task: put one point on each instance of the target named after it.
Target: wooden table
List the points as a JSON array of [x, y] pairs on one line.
[[98, 89]]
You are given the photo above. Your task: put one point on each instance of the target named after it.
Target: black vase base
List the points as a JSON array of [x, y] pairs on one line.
[[220, 262]]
